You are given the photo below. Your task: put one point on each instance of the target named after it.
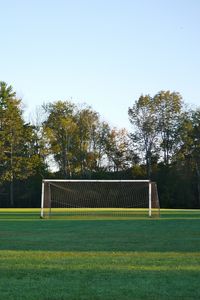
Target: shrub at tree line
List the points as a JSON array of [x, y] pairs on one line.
[[65, 140]]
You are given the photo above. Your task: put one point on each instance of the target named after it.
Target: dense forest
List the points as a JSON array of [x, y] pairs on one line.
[[65, 140]]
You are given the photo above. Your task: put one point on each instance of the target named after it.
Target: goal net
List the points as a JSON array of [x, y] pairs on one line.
[[75, 198]]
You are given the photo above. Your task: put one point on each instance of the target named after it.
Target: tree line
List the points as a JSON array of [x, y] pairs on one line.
[[66, 140]]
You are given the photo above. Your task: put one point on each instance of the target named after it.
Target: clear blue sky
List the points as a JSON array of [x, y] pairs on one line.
[[102, 52]]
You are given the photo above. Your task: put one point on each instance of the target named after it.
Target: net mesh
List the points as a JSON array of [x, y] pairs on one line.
[[96, 197]]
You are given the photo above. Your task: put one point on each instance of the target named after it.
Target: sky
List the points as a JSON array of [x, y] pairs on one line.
[[105, 53]]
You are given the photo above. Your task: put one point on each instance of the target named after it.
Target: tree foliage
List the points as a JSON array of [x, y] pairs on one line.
[[142, 116], [18, 159], [76, 138], [168, 110]]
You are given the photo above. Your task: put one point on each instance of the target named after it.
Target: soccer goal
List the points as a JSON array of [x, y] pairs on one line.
[[75, 198]]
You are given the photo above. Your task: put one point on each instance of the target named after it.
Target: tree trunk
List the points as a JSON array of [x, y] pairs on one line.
[[11, 194], [148, 164], [12, 179]]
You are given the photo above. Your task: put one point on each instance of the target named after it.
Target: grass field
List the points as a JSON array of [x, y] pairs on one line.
[[138, 258]]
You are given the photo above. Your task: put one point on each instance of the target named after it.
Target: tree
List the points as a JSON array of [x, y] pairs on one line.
[[101, 136], [168, 109], [188, 150], [60, 130], [17, 161], [117, 149], [87, 126], [142, 116]]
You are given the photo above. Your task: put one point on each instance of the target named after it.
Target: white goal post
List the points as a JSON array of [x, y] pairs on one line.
[[80, 195]]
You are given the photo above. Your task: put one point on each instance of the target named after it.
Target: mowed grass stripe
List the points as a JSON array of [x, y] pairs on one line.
[[103, 260], [98, 214]]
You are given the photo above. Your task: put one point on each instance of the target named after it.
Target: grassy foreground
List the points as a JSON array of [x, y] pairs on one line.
[[99, 259]]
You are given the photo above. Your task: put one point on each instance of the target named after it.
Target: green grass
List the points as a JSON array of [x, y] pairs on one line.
[[107, 259]]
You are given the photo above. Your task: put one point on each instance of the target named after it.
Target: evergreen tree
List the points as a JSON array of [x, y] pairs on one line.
[[17, 160]]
